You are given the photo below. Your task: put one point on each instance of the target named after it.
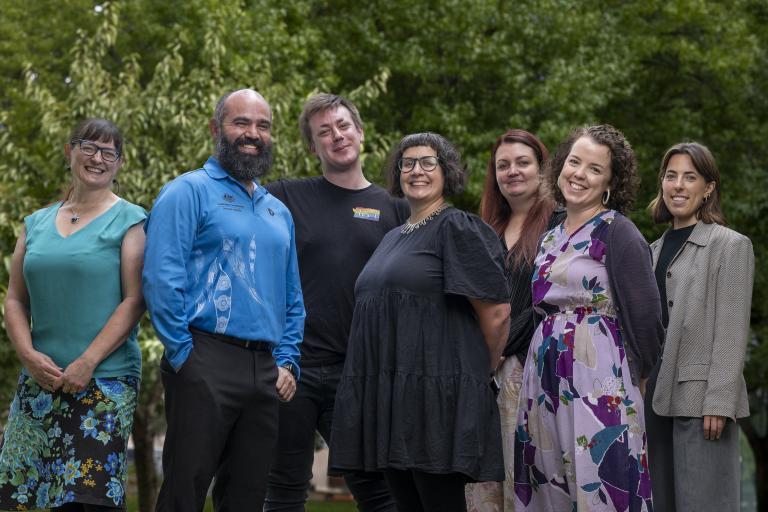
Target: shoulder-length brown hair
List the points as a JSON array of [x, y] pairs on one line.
[[710, 211], [495, 210]]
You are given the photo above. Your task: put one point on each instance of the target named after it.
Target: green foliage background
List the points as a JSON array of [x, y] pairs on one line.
[[662, 71]]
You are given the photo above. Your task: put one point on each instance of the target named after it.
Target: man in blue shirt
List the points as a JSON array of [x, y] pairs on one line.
[[221, 282]]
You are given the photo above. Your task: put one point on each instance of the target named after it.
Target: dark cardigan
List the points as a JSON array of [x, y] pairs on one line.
[[635, 295]]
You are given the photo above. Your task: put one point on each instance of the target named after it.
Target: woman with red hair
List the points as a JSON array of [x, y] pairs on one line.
[[517, 207]]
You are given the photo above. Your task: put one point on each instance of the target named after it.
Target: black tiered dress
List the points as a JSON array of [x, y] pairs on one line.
[[414, 393]]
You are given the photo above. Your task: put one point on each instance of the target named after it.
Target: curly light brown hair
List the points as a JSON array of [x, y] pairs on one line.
[[624, 178]]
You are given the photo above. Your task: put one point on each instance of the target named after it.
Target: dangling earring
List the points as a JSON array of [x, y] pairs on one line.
[[705, 199], [606, 197]]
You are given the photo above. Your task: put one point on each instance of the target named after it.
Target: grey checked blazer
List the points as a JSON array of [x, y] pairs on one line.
[[709, 294]]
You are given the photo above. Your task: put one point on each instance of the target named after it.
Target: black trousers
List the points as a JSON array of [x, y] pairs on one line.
[[312, 410], [416, 491], [222, 412]]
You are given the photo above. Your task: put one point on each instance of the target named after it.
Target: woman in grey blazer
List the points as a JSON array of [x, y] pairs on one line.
[[695, 394]]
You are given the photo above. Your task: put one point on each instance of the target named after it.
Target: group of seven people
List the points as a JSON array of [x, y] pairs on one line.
[[539, 357]]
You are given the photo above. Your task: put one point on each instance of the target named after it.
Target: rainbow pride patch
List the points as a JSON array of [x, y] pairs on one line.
[[366, 213]]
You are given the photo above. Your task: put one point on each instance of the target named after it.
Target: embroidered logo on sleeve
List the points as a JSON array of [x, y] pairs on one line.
[[360, 212]]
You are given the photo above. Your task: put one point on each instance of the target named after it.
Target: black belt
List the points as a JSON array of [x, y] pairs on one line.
[[258, 345]]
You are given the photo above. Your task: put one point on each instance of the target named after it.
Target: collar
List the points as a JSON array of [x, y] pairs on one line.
[[701, 233], [213, 169], [700, 236]]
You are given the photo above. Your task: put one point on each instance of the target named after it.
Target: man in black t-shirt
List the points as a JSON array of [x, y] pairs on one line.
[[340, 218]]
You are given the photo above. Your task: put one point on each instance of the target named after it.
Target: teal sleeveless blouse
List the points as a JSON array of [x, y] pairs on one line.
[[74, 286]]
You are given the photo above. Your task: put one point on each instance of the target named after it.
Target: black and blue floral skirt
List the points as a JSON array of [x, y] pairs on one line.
[[62, 447]]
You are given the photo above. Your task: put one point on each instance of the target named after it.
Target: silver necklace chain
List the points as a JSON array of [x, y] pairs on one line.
[[75, 217], [409, 227]]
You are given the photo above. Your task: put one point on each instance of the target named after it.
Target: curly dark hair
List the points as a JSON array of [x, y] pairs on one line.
[[454, 171], [624, 178]]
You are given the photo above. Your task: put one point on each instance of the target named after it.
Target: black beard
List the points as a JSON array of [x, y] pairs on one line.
[[244, 166]]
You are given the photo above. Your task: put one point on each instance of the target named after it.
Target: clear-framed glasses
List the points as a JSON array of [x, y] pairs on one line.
[[89, 148], [427, 164]]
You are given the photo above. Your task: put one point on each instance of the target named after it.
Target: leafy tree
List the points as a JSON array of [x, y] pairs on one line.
[[165, 121], [661, 71]]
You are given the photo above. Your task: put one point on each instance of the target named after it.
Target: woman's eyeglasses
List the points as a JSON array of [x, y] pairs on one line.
[[427, 164], [89, 148]]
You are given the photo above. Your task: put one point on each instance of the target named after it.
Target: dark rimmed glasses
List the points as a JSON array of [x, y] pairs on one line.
[[427, 164], [89, 148]]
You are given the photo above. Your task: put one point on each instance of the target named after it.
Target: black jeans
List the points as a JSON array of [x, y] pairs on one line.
[[417, 491], [221, 409], [312, 410]]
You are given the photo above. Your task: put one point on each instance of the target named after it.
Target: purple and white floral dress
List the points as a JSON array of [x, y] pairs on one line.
[[580, 441]]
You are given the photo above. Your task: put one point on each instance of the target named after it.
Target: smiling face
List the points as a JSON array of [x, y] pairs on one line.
[[683, 190], [419, 187], [243, 136], [91, 171], [247, 121], [517, 172], [336, 140], [586, 175]]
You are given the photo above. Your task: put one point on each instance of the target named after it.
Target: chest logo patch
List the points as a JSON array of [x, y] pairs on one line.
[[372, 214], [229, 198]]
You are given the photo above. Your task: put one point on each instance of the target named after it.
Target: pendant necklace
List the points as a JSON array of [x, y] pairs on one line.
[[410, 227]]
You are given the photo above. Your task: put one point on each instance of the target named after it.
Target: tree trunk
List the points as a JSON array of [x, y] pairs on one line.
[[144, 432], [759, 445], [143, 455], [761, 474]]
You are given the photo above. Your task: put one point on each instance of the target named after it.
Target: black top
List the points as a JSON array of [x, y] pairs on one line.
[[414, 393], [673, 242], [523, 320], [337, 230]]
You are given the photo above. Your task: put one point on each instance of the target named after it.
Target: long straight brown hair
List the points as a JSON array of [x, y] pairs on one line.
[[495, 210]]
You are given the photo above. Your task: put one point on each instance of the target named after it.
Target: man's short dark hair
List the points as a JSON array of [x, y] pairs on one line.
[[320, 103]]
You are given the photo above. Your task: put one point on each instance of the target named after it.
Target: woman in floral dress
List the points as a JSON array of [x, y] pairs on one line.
[[580, 442], [73, 303]]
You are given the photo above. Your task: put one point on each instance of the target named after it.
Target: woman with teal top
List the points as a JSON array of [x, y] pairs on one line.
[[72, 308]]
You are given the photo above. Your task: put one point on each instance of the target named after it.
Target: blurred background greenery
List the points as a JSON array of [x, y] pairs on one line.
[[662, 71]]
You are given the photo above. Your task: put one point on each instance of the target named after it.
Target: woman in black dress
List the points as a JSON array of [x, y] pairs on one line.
[[431, 319], [516, 204]]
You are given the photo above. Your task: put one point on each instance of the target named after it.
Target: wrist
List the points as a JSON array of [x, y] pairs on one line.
[[89, 360], [291, 368], [26, 354]]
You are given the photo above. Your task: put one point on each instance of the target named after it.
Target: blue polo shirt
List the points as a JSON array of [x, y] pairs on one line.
[[222, 261]]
